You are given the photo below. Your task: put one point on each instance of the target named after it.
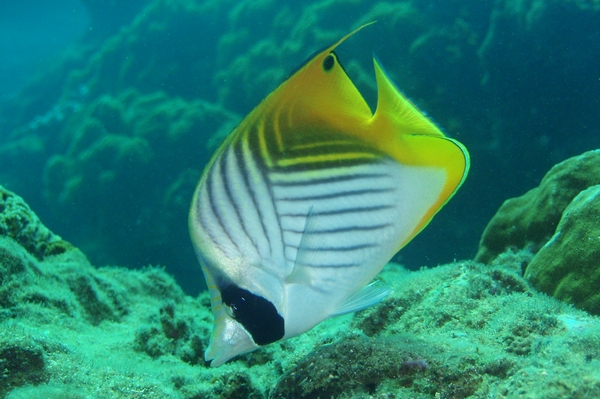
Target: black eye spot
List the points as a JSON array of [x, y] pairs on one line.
[[328, 63], [258, 316]]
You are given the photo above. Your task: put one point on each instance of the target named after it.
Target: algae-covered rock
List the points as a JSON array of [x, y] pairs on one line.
[[568, 266], [359, 366], [559, 223], [22, 364], [57, 284], [530, 220], [456, 331], [18, 222], [464, 330], [122, 188], [55, 306]]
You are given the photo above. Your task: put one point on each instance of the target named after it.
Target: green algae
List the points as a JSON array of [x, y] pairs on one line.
[[568, 266], [22, 225], [402, 364], [96, 188], [22, 365], [558, 223], [530, 220], [464, 330]]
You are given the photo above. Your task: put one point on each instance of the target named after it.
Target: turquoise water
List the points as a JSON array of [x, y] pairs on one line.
[[103, 135], [109, 112]]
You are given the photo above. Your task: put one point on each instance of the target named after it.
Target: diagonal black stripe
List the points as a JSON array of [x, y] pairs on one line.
[[213, 204], [338, 249], [345, 229], [262, 167], [238, 153], [227, 184], [359, 209], [200, 217], [268, 134], [331, 179], [254, 146], [338, 194]]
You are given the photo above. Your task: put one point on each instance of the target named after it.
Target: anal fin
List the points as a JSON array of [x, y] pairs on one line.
[[370, 295]]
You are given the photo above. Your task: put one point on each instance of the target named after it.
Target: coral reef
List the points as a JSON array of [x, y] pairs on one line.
[[557, 223], [108, 144], [568, 266], [101, 184], [18, 222], [530, 220], [355, 364], [464, 330], [58, 314]]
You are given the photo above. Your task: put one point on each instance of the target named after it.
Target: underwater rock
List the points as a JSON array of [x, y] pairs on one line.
[[358, 366], [18, 222], [54, 305], [456, 331], [106, 16], [342, 367], [172, 334], [122, 189], [530, 220], [568, 266], [21, 365], [464, 330], [58, 280]]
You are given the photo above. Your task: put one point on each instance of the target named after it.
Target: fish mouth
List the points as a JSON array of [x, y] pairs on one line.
[[229, 339]]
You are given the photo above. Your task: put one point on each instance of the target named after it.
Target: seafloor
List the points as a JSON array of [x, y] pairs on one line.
[[108, 142], [462, 330]]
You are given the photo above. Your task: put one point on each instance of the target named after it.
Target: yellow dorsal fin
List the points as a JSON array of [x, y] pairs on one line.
[[395, 110], [397, 125], [405, 133]]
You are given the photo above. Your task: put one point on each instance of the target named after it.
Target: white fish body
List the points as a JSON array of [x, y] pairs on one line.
[[307, 200]]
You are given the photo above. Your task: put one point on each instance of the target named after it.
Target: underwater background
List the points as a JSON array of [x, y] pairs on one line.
[[110, 110]]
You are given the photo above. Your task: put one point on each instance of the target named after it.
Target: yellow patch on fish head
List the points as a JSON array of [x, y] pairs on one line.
[[319, 94]]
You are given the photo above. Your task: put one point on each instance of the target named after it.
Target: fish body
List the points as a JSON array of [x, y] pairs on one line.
[[308, 198]]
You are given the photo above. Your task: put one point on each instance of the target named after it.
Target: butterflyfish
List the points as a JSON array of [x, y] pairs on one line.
[[308, 198]]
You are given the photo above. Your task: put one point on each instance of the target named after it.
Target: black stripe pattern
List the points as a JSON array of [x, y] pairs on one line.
[[280, 203]]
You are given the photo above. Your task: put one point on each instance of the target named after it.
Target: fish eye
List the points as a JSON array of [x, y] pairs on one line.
[[328, 63]]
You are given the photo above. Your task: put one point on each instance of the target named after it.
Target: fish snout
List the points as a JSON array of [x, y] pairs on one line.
[[229, 339]]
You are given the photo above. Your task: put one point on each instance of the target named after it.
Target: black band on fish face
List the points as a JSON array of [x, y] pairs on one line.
[[258, 316], [328, 62]]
